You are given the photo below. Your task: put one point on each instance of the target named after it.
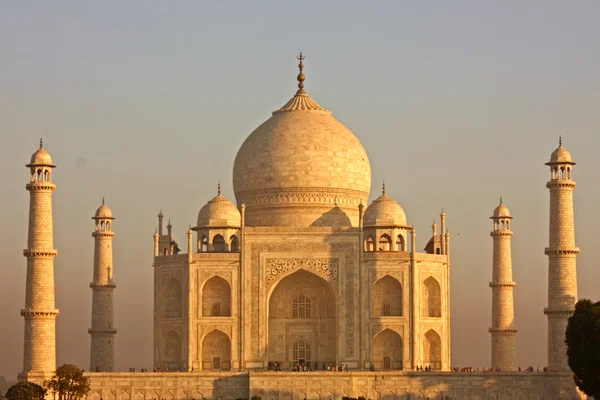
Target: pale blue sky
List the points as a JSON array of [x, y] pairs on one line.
[[147, 103]]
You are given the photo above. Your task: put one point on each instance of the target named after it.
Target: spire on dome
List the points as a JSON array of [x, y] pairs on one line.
[[500, 199], [219, 188], [41, 143], [383, 188], [301, 75], [559, 138], [102, 200]]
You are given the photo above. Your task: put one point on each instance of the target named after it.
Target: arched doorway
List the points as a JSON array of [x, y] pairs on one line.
[[432, 350], [302, 321], [216, 298], [386, 299], [432, 298], [216, 351], [386, 352]]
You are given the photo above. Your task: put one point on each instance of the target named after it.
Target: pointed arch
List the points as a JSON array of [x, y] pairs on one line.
[[216, 298], [233, 244], [172, 350], [46, 176], [172, 300], [431, 298], [203, 248], [387, 350], [385, 243], [218, 243], [400, 243], [216, 351], [432, 350], [369, 244], [386, 299]]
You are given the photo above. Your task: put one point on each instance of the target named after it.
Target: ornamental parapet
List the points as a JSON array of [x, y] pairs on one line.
[[294, 230], [387, 255], [506, 332], [103, 234], [40, 253], [102, 332], [502, 284], [504, 233], [559, 312], [40, 186], [568, 251], [32, 313], [110, 285], [302, 196], [560, 184]]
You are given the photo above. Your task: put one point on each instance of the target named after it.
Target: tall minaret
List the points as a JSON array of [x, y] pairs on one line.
[[503, 311], [39, 360], [102, 331], [562, 254]]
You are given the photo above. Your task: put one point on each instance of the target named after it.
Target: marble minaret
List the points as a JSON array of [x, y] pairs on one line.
[[39, 360], [102, 331], [503, 310], [562, 257]]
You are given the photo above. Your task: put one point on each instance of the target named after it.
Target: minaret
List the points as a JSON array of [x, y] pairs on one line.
[[562, 254], [39, 360], [503, 311], [102, 331]]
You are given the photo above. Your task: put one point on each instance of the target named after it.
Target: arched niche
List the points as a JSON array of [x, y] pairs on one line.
[[385, 243], [216, 351], [387, 350], [432, 350], [369, 244], [302, 306], [400, 243], [234, 244], [431, 298], [218, 243], [172, 350], [386, 298], [172, 299], [216, 298]]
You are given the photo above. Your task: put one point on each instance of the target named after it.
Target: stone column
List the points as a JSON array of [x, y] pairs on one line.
[[562, 257], [102, 331], [39, 359], [503, 312]]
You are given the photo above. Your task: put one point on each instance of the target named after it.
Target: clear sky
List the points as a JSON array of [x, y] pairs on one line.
[[147, 103]]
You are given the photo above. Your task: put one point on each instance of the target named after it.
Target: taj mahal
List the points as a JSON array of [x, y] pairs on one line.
[[301, 273]]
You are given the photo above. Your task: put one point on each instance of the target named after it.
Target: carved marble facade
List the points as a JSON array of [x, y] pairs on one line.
[[294, 296]]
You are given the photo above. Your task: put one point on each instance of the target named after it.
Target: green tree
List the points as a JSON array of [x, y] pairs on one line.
[[583, 346], [68, 383], [25, 391]]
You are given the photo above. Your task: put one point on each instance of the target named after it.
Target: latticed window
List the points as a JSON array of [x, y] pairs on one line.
[[387, 363], [216, 310], [387, 310], [301, 307], [301, 352], [217, 363]]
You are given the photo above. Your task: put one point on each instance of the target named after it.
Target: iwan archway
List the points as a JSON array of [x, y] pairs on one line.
[[302, 323]]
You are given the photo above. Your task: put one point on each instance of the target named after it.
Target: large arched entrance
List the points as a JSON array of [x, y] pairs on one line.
[[302, 321], [386, 352], [432, 350], [216, 351], [216, 298]]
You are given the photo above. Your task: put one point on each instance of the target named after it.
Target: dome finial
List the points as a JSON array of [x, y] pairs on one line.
[[500, 199], [383, 188], [560, 141], [41, 143], [300, 75], [102, 200], [219, 187]]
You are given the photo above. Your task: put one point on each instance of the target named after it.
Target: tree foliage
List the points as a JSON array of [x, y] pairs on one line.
[[25, 391], [583, 346], [68, 383]]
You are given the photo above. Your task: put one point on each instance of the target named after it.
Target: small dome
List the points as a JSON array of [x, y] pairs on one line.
[[501, 211], [41, 157], [103, 212], [219, 212], [384, 211], [560, 155]]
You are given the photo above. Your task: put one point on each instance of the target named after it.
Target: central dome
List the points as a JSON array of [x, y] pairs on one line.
[[301, 167]]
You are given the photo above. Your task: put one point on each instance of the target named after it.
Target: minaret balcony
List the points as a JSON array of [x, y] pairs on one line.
[[108, 285], [565, 251], [30, 312], [40, 252]]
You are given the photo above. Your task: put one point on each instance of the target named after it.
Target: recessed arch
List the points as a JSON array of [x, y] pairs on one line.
[[431, 298], [315, 323], [400, 243], [387, 350], [218, 244], [233, 244], [172, 350], [386, 297], [369, 244], [203, 248], [216, 351], [432, 350], [216, 298]]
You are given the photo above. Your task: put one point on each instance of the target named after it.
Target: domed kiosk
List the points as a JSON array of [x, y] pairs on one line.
[[300, 164]]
